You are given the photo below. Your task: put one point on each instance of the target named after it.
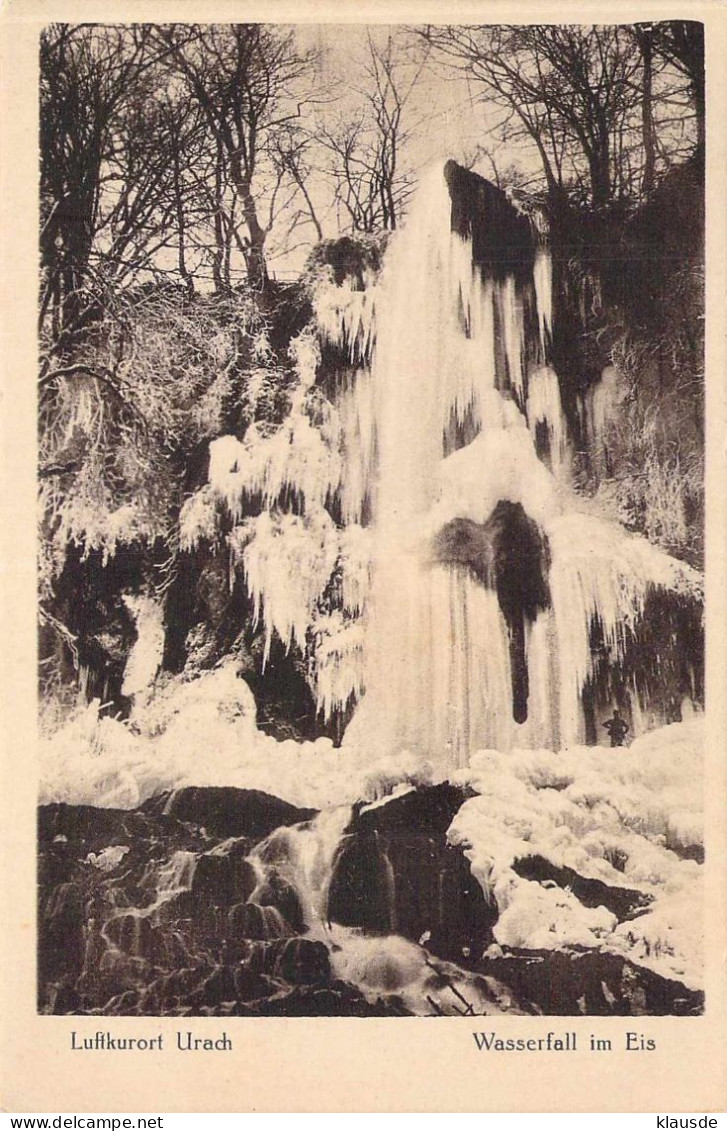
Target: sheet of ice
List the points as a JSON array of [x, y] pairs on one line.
[[544, 407]]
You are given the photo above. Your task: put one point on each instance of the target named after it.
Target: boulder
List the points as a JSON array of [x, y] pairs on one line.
[[621, 902], [229, 812], [395, 873]]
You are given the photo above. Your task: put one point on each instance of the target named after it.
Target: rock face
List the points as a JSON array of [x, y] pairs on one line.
[[167, 910], [622, 902], [396, 874]]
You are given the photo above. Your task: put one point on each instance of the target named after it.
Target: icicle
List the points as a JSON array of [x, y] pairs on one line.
[[198, 519], [543, 281], [355, 555], [296, 457], [338, 670], [544, 407], [145, 657], [599, 572], [347, 318], [287, 564]]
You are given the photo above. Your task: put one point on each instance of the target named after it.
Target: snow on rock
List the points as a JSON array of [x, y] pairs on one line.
[[194, 732], [513, 473], [615, 816], [202, 732], [538, 918]]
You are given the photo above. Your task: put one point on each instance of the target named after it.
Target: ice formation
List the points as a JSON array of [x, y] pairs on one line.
[[445, 412], [544, 407], [347, 317], [603, 408], [145, 658], [629, 820], [543, 280], [460, 388], [287, 561]]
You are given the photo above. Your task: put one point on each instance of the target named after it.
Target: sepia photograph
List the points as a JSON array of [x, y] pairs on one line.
[[371, 470]]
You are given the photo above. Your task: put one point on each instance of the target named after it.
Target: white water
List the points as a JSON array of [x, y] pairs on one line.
[[380, 967]]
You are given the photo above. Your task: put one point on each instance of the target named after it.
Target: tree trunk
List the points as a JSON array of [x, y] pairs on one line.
[[644, 38]]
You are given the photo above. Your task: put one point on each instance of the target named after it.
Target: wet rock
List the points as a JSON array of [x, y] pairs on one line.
[[62, 940], [223, 876], [277, 892], [229, 812], [217, 987], [395, 873], [59, 823], [686, 851], [303, 961], [296, 961], [251, 985], [579, 982], [621, 902], [336, 1000], [502, 239], [253, 921], [63, 998], [429, 809], [130, 932]]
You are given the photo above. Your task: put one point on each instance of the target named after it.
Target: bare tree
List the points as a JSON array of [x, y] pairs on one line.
[[115, 146], [581, 95], [681, 43], [365, 149], [250, 82]]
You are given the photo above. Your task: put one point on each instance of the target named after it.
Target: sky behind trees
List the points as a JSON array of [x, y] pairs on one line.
[[215, 153]]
